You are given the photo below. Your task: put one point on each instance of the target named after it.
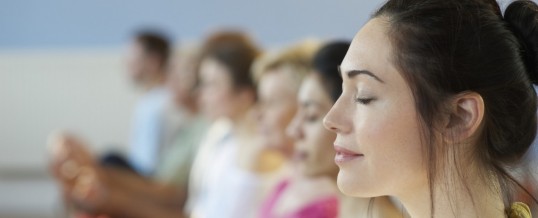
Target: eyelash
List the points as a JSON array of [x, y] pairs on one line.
[[364, 101], [311, 119]]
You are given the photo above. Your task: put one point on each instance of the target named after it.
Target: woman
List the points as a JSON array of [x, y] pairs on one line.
[[314, 153], [222, 184], [318, 92], [437, 102], [279, 76]]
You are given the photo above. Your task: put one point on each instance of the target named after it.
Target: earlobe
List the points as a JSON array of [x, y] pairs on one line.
[[465, 116]]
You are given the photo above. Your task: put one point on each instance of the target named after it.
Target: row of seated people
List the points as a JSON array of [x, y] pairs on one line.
[[260, 132]]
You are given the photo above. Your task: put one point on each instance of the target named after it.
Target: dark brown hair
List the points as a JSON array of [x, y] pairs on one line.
[[325, 64], [446, 47], [237, 52], [154, 43]]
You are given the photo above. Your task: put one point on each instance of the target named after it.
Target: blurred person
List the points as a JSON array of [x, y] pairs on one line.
[[115, 191], [438, 106], [279, 77], [147, 64], [314, 144], [186, 123], [222, 185]]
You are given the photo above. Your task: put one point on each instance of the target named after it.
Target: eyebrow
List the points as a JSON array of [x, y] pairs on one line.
[[309, 103], [354, 73]]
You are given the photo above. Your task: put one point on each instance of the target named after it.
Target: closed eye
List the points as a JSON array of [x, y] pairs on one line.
[[364, 100], [312, 118]]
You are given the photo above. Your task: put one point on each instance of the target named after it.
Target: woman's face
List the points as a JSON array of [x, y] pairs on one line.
[[378, 142], [182, 80], [277, 105], [314, 150], [217, 93]]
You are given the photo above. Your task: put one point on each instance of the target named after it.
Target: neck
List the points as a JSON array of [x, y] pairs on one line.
[[353, 207], [155, 81], [378, 207], [242, 123], [472, 197], [191, 106]]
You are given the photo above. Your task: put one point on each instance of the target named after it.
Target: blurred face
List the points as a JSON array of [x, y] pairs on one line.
[[314, 150], [137, 63], [182, 80], [378, 140], [218, 97], [278, 103]]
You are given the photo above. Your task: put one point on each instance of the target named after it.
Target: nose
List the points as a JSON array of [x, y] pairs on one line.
[[258, 112], [294, 128], [329, 124], [336, 119]]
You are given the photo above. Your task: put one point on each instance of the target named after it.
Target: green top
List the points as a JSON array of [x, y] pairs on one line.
[[175, 165]]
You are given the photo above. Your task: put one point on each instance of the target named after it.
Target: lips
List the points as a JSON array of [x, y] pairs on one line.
[[300, 155], [344, 155]]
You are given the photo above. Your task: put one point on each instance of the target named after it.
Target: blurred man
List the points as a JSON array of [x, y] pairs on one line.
[[92, 190], [147, 66]]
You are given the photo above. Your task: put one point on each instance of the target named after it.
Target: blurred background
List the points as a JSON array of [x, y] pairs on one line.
[[62, 67]]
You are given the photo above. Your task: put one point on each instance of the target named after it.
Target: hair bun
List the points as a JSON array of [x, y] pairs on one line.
[[522, 16]]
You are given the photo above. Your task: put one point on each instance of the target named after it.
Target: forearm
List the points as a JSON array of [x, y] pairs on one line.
[[123, 205], [144, 188]]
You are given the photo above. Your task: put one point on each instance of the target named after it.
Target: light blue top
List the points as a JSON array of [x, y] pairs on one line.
[[146, 134]]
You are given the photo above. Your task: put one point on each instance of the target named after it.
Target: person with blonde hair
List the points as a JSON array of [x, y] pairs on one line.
[[279, 76]]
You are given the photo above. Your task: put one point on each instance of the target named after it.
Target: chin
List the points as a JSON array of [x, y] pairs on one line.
[[309, 173], [212, 116], [268, 143], [317, 173], [351, 184], [276, 141]]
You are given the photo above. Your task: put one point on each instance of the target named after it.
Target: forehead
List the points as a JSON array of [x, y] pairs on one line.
[[279, 80], [136, 46], [312, 90], [212, 69], [370, 47]]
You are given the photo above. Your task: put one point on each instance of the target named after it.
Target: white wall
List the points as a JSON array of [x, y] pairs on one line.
[[40, 91], [67, 23]]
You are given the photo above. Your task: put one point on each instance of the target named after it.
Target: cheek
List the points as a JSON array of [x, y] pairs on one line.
[[207, 97], [267, 118], [286, 115], [317, 134], [215, 98], [321, 143], [391, 126], [390, 138], [279, 118]]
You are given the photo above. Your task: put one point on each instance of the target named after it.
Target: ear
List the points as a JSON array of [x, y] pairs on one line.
[[464, 118]]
